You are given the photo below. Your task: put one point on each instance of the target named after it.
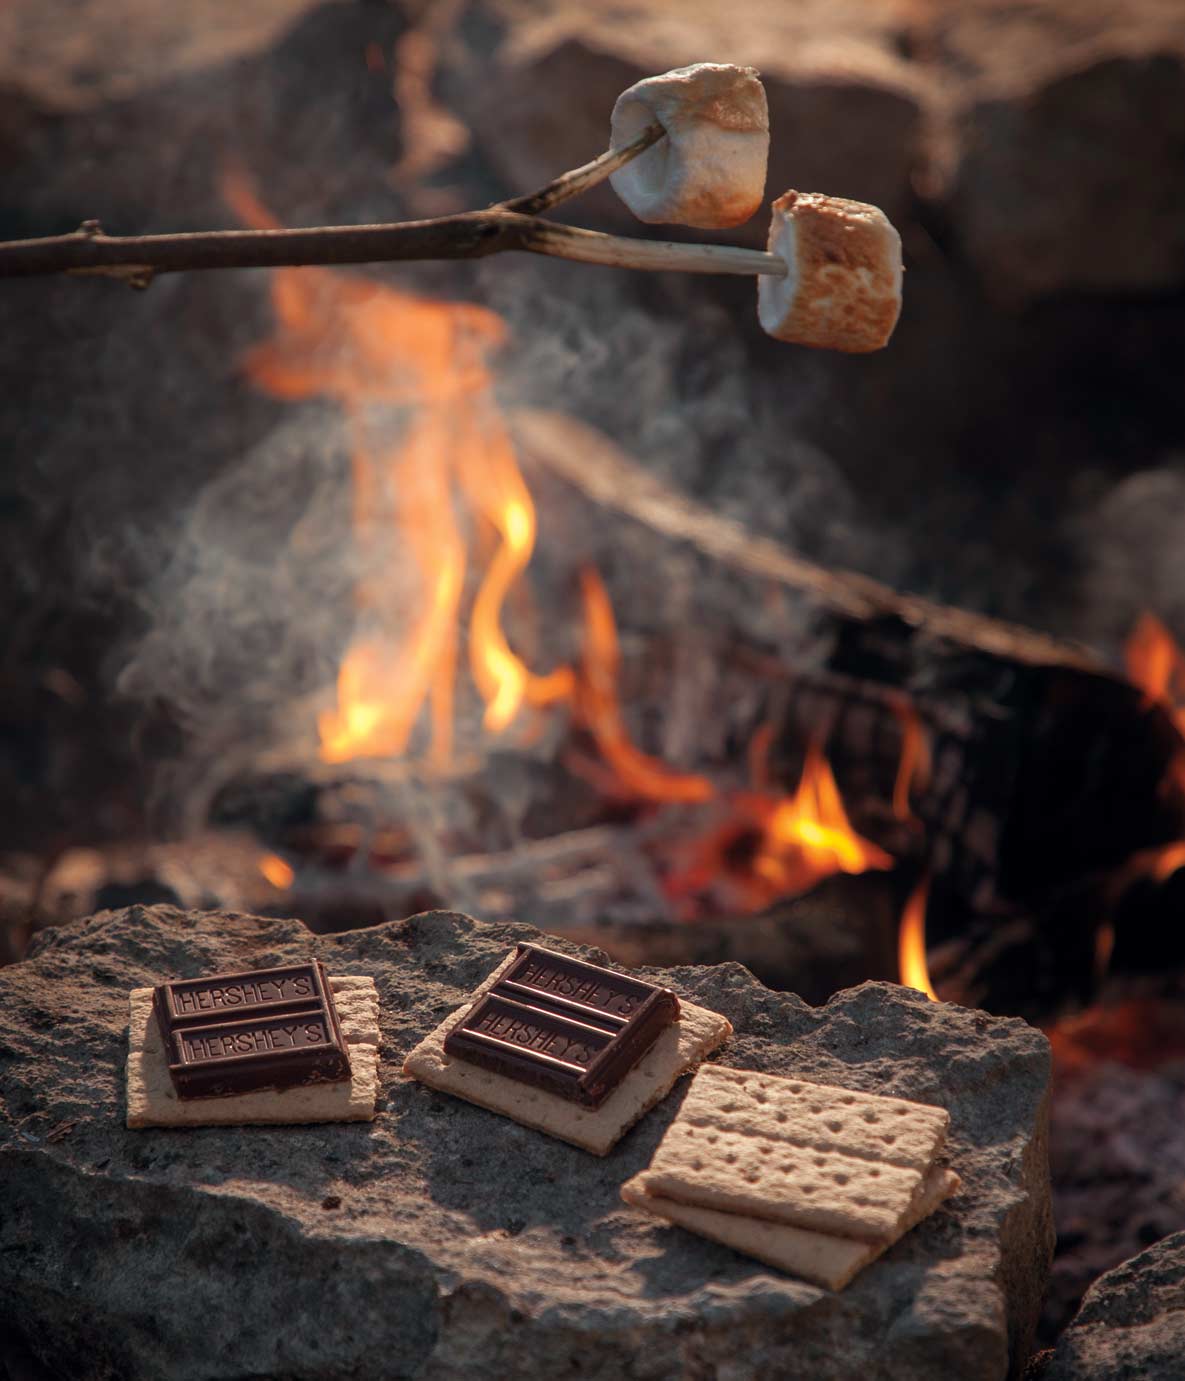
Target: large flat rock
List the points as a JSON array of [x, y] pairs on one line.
[[442, 1240]]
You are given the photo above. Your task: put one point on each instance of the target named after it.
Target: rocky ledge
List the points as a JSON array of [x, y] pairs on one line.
[[442, 1240]]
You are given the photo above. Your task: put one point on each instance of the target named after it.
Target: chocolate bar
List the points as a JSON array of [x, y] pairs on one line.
[[233, 1032], [562, 1025]]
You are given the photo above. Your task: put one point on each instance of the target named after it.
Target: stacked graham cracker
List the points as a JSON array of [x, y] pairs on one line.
[[814, 1180]]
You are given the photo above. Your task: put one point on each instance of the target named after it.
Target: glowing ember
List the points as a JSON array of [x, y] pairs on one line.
[[277, 872], [1163, 863], [911, 942]]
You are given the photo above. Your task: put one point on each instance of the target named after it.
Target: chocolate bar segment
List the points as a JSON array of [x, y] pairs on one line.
[[242, 994], [269, 1028], [559, 1024]]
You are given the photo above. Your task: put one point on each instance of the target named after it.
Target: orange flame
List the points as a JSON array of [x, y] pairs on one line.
[[364, 344], [496, 488], [1155, 663], [911, 942], [770, 846], [1142, 1033], [599, 708], [1164, 862], [277, 872], [808, 836], [913, 769]]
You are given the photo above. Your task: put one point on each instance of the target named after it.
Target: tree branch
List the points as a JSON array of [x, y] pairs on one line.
[[136, 260]]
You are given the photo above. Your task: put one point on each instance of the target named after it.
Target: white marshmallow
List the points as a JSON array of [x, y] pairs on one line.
[[843, 286], [709, 171]]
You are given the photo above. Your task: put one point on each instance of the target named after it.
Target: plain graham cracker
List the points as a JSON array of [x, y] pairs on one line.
[[153, 1101], [816, 1180], [819, 1257], [678, 1049]]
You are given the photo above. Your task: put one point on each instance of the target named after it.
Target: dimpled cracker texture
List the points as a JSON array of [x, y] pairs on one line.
[[678, 1049], [819, 1257], [809, 1156], [153, 1101]]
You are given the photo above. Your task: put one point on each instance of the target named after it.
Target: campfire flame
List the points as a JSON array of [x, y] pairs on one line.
[[808, 836], [913, 770], [1156, 665], [444, 507], [911, 942], [364, 345], [770, 845], [598, 708]]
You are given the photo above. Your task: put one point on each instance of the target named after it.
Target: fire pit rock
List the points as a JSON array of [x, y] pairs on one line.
[[1131, 1324], [442, 1240]]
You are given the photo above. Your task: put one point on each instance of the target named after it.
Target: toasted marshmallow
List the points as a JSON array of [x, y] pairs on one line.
[[709, 171], [842, 290]]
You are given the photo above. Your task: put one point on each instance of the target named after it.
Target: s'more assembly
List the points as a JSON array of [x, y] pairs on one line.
[[814, 1180]]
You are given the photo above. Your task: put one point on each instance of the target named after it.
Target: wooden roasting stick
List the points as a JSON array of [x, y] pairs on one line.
[[831, 278], [510, 225]]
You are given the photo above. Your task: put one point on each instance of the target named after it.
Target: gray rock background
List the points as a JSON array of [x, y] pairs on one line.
[[442, 1240], [1131, 1326]]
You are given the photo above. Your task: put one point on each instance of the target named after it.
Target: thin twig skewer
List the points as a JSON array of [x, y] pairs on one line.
[[136, 260], [572, 184]]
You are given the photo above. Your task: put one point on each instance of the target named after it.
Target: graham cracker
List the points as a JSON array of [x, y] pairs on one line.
[[891, 1131], [818, 1257], [678, 1049], [153, 1101], [787, 1151]]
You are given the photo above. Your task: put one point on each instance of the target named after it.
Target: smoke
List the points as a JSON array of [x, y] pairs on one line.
[[670, 370], [1132, 547]]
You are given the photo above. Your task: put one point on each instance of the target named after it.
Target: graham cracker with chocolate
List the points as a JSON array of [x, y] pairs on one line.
[[152, 1099], [677, 1049]]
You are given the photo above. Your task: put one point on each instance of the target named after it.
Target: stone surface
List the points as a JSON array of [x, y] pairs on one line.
[[442, 1240], [1074, 184], [1131, 1326]]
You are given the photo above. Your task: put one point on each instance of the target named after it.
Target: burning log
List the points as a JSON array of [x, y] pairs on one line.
[[1047, 771]]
